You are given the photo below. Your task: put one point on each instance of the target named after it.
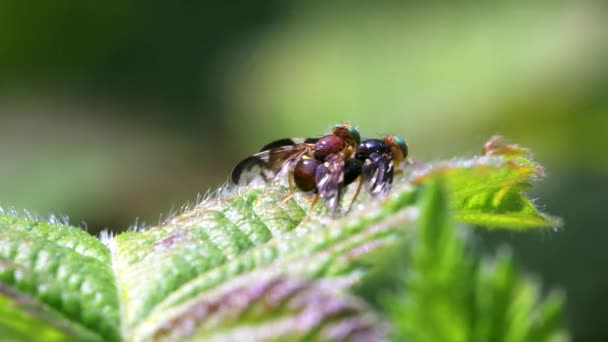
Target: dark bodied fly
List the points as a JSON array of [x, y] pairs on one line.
[[374, 164], [313, 164]]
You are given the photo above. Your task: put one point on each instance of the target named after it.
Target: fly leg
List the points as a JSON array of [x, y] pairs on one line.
[[312, 205], [292, 190], [359, 186]]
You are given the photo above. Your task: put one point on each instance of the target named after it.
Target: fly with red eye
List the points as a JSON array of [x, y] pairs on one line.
[[313, 164]]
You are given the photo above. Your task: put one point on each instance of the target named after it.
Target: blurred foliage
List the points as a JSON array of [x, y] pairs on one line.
[[122, 109], [439, 290]]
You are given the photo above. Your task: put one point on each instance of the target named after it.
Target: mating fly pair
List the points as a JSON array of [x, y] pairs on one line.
[[327, 164]]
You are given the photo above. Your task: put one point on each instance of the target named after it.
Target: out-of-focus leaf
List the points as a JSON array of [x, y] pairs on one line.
[[441, 293], [488, 190]]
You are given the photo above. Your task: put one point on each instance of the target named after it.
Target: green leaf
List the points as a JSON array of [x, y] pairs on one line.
[[57, 277], [264, 306], [488, 190], [182, 260], [18, 315], [218, 269], [441, 292]]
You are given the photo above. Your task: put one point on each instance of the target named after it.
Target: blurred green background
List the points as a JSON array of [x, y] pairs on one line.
[[116, 110]]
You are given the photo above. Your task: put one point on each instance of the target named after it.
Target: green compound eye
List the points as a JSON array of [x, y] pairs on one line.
[[346, 131], [355, 133], [398, 147], [401, 142]]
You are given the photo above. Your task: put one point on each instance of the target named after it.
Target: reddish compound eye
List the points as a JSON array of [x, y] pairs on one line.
[[304, 174], [327, 145]]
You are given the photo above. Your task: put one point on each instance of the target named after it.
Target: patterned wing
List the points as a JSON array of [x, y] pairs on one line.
[[288, 142], [377, 174], [269, 163], [330, 180]]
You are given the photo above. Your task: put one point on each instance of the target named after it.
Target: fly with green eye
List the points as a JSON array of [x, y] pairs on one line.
[[313, 164], [326, 165], [374, 164]]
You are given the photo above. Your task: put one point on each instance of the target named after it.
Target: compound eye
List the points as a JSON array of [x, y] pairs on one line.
[[355, 134], [401, 142], [348, 133], [398, 147]]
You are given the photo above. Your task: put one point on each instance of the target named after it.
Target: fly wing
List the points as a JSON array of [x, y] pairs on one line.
[[288, 142], [330, 180], [269, 163], [377, 174]]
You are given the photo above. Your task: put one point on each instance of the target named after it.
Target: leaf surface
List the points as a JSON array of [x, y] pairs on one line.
[[246, 260]]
